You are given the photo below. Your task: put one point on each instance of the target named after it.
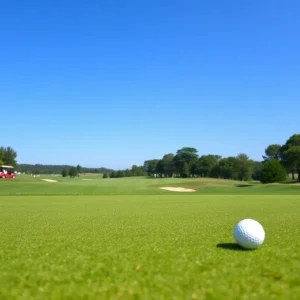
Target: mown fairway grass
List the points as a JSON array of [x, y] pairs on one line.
[[136, 246], [95, 185]]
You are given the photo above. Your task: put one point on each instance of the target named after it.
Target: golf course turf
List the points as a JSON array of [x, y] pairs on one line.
[[128, 239]]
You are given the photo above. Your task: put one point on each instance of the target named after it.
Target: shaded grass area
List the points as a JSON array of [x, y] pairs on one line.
[[95, 185], [147, 247]]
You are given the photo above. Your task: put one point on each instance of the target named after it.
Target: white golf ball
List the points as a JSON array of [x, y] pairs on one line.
[[249, 234]]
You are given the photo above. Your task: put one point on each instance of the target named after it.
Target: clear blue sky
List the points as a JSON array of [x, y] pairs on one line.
[[113, 83]]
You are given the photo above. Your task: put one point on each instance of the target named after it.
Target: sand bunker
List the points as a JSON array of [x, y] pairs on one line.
[[49, 180], [177, 189]]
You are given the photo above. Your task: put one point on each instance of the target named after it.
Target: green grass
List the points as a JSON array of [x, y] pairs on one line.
[[145, 243], [95, 185]]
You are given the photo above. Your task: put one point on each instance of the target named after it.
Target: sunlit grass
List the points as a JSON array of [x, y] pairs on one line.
[[96, 185], [126, 238]]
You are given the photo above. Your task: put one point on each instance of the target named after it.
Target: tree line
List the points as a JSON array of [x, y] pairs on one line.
[[57, 169], [278, 161], [279, 158], [133, 171], [186, 162]]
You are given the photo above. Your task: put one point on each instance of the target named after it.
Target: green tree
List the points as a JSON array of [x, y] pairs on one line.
[[73, 172], [128, 173], [160, 168], [150, 166], [1, 156], [185, 171], [79, 169], [291, 154], [135, 171], [273, 151], [272, 171], [207, 163], [227, 167], [120, 173], [168, 165], [64, 173], [194, 168], [243, 167], [184, 159], [105, 175], [9, 156], [257, 167], [215, 171]]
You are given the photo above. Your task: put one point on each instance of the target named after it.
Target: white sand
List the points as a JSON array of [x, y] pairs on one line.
[[49, 180], [177, 189]]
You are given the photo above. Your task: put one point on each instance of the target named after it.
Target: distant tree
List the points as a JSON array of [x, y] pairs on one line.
[[1, 156], [113, 174], [291, 154], [257, 167], [73, 172], [135, 171], [64, 173], [8, 156], [185, 171], [195, 168], [207, 163], [273, 151], [184, 160], [120, 173], [54, 169], [243, 167], [105, 175], [150, 166], [226, 167], [215, 171], [160, 168], [128, 172], [168, 165], [79, 169], [272, 171]]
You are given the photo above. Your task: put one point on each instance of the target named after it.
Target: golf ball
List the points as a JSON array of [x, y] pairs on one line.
[[249, 234]]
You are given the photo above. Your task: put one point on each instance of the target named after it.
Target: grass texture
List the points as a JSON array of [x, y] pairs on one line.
[[128, 239]]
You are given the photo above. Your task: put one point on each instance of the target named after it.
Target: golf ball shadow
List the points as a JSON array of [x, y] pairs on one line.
[[232, 246]]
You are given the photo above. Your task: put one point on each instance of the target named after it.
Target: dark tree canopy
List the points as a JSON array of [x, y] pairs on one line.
[[184, 159], [291, 154], [243, 167], [8, 156], [64, 173], [150, 166], [272, 171], [207, 163], [273, 151], [73, 172]]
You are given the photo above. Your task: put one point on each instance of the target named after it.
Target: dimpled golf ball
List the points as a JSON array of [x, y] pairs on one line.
[[249, 234]]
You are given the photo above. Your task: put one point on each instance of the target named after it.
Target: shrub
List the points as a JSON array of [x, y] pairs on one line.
[[272, 171]]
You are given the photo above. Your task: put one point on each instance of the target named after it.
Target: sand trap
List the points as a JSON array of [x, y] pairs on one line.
[[49, 180], [177, 189]]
